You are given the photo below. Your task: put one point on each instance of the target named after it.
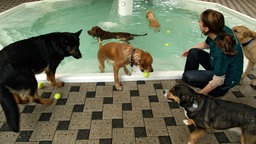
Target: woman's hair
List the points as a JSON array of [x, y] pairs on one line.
[[215, 22]]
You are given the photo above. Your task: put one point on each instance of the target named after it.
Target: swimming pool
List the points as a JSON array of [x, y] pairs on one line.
[[180, 17]]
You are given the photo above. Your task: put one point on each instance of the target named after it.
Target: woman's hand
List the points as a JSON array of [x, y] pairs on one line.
[[185, 53]]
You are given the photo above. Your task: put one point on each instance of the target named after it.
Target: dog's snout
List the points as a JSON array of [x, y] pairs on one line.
[[77, 55]]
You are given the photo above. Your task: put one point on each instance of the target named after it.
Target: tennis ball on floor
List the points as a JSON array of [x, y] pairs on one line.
[[168, 31], [167, 44], [40, 85], [57, 96], [146, 74]]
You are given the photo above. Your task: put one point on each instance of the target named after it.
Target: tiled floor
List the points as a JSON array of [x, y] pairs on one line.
[[95, 113]]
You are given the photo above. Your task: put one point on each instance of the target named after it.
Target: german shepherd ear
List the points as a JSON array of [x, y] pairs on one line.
[[78, 33]]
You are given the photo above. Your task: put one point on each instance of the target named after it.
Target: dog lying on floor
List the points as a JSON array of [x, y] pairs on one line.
[[248, 42], [21, 60], [120, 55], [98, 32], [153, 23], [207, 113]]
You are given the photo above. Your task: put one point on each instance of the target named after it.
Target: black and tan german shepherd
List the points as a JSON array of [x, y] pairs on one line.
[[21, 60], [205, 113]]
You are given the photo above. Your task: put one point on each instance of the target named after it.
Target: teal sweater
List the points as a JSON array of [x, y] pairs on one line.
[[230, 66]]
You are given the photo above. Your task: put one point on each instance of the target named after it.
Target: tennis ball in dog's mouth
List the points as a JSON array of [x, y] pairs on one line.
[[146, 74], [57, 96], [40, 85]]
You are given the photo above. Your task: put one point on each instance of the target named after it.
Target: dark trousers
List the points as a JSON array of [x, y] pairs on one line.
[[200, 78]]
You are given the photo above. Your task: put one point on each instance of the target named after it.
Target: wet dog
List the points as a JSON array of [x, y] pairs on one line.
[[122, 54], [98, 32], [152, 21], [21, 60], [207, 113], [247, 39]]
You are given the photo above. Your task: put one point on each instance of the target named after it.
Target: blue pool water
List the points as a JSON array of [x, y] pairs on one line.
[[180, 17]]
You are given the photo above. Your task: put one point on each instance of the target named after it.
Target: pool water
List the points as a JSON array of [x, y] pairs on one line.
[[178, 17]]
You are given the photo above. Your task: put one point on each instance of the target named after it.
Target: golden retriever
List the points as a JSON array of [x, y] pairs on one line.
[[122, 54], [153, 23], [248, 42]]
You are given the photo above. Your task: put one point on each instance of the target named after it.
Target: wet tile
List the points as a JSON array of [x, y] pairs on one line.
[[93, 104], [8, 137], [124, 135], [83, 134], [75, 98], [104, 91], [178, 134], [112, 111], [117, 123], [161, 110], [155, 127], [61, 112], [146, 140], [44, 131], [65, 137], [101, 129], [80, 120], [28, 121], [63, 125], [24, 136], [140, 103], [140, 132], [133, 119]]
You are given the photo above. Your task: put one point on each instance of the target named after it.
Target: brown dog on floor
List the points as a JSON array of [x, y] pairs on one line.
[[98, 32], [153, 23], [248, 42], [122, 54]]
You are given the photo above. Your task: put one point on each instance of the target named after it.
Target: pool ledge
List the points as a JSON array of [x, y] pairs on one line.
[[109, 77]]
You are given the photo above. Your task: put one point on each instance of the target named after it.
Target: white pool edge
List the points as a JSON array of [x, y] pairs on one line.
[[109, 77]]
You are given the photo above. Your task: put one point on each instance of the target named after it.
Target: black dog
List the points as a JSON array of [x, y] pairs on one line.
[[209, 113], [98, 32], [20, 61]]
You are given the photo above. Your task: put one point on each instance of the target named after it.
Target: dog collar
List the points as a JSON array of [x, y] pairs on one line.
[[247, 43], [131, 60]]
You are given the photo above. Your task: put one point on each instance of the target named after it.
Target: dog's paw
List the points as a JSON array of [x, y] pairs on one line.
[[186, 122], [59, 84], [24, 100], [119, 87], [128, 73], [253, 83]]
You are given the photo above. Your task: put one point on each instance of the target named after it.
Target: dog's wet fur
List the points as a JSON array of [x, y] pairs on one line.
[[206, 113], [98, 32], [21, 60]]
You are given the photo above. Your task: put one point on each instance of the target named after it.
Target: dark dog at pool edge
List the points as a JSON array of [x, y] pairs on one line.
[[98, 32], [21, 60], [207, 113]]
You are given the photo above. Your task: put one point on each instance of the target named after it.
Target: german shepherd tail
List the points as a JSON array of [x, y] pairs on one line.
[[10, 108]]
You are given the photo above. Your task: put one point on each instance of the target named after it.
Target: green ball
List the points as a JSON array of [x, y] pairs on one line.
[[168, 31], [146, 74], [167, 44], [57, 96], [40, 85]]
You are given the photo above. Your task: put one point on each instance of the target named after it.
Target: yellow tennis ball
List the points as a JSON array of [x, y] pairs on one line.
[[168, 31], [146, 74], [40, 85], [57, 96], [167, 44]]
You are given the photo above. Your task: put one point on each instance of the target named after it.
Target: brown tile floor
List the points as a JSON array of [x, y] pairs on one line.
[[95, 113]]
